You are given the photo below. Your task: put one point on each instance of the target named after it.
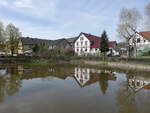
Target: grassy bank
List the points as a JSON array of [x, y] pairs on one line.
[[114, 63], [33, 60]]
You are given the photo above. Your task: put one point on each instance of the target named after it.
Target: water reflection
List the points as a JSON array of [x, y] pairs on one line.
[[132, 96], [3, 71], [125, 90], [10, 82], [82, 76], [87, 76], [137, 83], [11, 77]]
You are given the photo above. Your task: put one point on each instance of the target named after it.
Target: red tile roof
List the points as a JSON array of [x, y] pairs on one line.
[[112, 43], [95, 41], [147, 87], [145, 34]]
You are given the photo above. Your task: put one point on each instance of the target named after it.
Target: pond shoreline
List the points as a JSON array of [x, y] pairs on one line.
[[121, 65], [106, 63]]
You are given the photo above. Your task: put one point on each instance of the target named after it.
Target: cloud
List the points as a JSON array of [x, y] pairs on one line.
[[23, 3], [3, 3], [31, 8], [16, 3], [64, 18]]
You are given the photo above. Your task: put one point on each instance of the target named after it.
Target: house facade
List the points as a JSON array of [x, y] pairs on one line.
[[142, 39], [87, 76], [141, 43], [138, 82], [71, 41], [26, 44], [82, 75], [89, 44], [61, 44]]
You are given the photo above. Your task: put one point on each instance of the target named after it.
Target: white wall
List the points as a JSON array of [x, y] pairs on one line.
[[143, 42], [80, 45], [82, 75], [138, 82], [83, 49]]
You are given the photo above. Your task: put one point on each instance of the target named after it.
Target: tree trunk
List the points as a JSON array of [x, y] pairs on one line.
[[12, 52], [128, 49]]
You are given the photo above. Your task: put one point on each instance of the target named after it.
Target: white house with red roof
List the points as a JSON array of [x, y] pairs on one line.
[[89, 44], [143, 39], [139, 82], [82, 75], [142, 43]]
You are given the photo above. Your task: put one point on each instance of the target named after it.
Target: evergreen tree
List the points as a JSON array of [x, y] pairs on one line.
[[104, 47], [103, 82], [36, 48]]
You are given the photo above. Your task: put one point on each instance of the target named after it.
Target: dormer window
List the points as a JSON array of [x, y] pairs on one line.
[[81, 38]]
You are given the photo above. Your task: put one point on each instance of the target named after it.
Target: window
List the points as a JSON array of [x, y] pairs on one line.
[[81, 38], [132, 83], [81, 43], [85, 77], [138, 40], [77, 43], [138, 83], [81, 81], [85, 42]]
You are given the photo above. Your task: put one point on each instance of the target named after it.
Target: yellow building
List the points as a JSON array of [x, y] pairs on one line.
[[26, 44]]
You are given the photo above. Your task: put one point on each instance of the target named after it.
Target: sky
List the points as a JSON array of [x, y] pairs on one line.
[[54, 19]]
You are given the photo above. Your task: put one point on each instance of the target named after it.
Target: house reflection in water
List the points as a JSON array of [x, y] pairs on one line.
[[82, 75], [139, 82], [3, 71], [86, 77]]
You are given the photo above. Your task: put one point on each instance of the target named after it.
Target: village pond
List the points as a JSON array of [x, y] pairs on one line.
[[72, 89]]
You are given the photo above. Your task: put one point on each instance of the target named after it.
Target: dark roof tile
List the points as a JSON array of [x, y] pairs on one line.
[[145, 34]]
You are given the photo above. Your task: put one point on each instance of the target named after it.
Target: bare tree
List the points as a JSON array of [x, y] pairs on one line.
[[147, 13], [2, 33], [127, 27], [2, 37], [13, 34]]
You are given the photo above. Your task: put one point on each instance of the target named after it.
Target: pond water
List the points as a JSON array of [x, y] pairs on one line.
[[72, 89]]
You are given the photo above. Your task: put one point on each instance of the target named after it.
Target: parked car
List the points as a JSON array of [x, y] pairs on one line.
[[113, 53], [15, 55], [28, 53]]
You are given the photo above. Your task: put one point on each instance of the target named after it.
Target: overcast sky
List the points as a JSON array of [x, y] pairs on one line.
[[53, 19]]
